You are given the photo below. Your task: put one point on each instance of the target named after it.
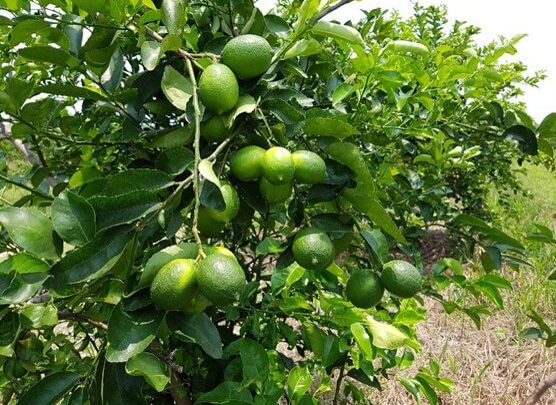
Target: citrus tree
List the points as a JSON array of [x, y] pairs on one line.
[[226, 207]]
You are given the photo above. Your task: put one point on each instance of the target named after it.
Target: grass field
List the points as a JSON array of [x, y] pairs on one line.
[[492, 366]]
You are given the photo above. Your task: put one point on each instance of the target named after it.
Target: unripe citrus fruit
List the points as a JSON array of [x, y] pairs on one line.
[[364, 289], [214, 129], [309, 167], [278, 165], [246, 163], [174, 285], [274, 193], [218, 88], [213, 250], [221, 279], [401, 278], [313, 249], [231, 201], [208, 227], [247, 55]]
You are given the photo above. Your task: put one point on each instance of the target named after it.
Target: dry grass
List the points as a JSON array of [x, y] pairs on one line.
[[489, 366]]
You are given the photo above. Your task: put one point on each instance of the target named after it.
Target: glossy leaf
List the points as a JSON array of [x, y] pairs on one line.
[[176, 87], [73, 218], [150, 367], [385, 336], [338, 31], [49, 54], [175, 161], [150, 54], [525, 137], [137, 179], [197, 329], [129, 333], [70, 90], [299, 381], [246, 104], [50, 389], [173, 15], [363, 340], [92, 260], [123, 208], [31, 230], [332, 127]]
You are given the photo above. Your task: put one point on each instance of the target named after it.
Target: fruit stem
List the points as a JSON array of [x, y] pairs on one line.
[[197, 147]]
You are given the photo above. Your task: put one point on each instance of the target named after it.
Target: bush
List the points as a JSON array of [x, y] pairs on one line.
[[415, 122]]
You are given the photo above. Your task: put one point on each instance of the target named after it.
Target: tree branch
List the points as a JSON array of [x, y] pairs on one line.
[[339, 385], [329, 9], [25, 187], [541, 390], [176, 395], [73, 316]]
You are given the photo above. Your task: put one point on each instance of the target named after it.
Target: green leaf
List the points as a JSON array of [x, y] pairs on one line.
[[92, 260], [137, 179], [150, 367], [113, 386], [21, 276], [22, 30], [525, 137], [50, 54], [363, 340], [177, 88], [123, 209], [83, 176], [246, 104], [497, 281], [269, 246], [376, 213], [547, 129], [173, 15], [130, 333], [338, 31], [50, 389], [254, 360], [173, 137], [70, 90], [175, 161], [206, 170], [9, 330], [299, 381], [150, 54], [229, 393], [31, 230], [166, 255], [343, 91], [307, 10], [90, 6], [39, 315], [385, 336], [197, 329], [73, 218], [378, 243], [491, 291], [333, 127], [284, 111], [304, 47]]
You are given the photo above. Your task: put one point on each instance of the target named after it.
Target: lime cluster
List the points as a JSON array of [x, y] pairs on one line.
[[276, 169], [190, 286], [365, 288], [243, 57]]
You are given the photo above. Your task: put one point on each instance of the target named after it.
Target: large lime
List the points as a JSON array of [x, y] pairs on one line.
[[274, 193], [247, 55], [218, 88], [309, 167], [246, 163], [214, 129], [175, 285], [278, 167], [401, 278], [221, 279], [313, 249], [364, 289]]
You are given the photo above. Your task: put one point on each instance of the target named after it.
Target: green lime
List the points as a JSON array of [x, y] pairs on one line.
[[214, 129], [246, 163], [309, 167], [221, 279], [401, 278], [213, 250], [231, 200], [174, 285], [274, 193], [364, 289], [218, 88], [247, 55], [313, 249], [278, 165], [207, 226]]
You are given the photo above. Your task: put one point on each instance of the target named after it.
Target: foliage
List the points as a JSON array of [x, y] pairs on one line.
[[414, 134]]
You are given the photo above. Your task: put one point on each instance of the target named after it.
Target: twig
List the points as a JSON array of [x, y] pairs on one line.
[[178, 399], [338, 385], [233, 27], [541, 390], [330, 9], [72, 316], [23, 186], [197, 146]]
